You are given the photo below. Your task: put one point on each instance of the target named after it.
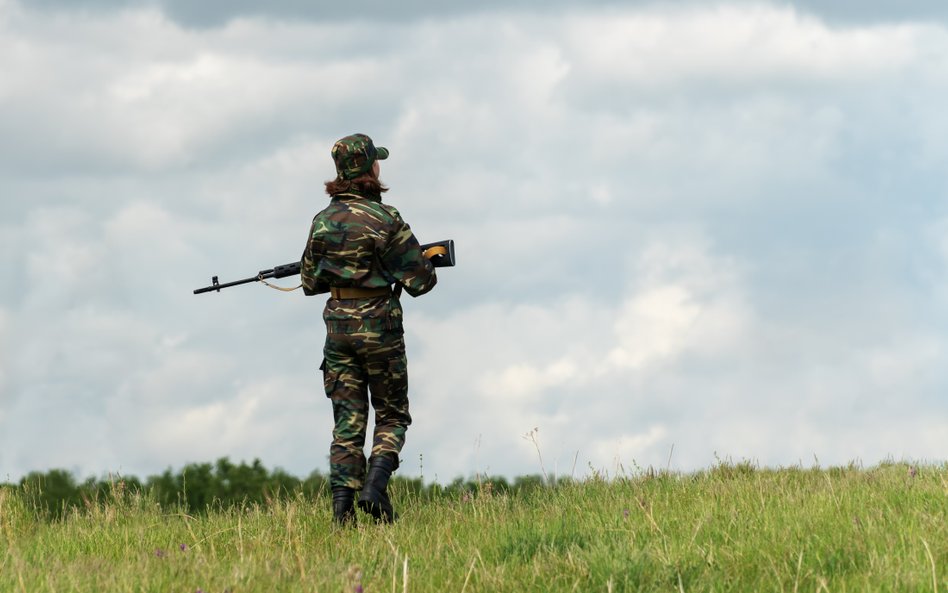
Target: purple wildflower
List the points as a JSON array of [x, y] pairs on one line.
[[183, 547], [358, 588], [159, 553]]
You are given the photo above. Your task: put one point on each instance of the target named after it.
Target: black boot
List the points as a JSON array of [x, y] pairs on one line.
[[343, 510], [374, 498]]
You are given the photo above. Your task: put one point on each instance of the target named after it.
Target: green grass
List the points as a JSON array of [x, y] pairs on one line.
[[733, 528]]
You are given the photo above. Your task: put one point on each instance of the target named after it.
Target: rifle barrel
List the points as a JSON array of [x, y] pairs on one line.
[[216, 286]]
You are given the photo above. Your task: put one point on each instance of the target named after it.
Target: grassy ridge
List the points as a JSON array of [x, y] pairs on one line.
[[733, 528]]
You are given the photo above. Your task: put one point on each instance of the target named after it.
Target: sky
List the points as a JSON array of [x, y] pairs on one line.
[[686, 232]]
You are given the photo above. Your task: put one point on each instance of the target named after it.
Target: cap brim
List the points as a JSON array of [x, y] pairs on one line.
[[381, 153]]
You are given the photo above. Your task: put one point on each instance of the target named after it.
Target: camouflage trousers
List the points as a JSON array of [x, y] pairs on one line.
[[355, 366]]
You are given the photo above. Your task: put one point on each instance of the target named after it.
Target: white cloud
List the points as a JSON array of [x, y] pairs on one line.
[[894, 368], [274, 415], [681, 360], [937, 234], [687, 301], [147, 95], [653, 326], [61, 262], [5, 366], [623, 451], [521, 384], [732, 44], [169, 110], [673, 226], [559, 365]]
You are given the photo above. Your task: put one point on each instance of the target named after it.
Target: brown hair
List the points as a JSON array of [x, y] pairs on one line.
[[367, 184]]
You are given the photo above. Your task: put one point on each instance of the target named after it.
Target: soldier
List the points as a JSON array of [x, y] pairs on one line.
[[357, 249]]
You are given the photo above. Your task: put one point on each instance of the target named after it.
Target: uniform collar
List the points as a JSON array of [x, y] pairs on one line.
[[356, 194]]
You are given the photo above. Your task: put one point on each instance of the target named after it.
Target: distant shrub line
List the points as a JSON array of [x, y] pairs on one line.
[[198, 487]]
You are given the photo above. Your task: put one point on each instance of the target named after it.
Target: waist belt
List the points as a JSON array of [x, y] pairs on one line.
[[339, 292]]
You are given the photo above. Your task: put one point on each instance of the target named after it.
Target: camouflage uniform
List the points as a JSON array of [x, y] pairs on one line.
[[359, 242]]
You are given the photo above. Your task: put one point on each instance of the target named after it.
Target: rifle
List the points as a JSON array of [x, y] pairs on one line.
[[442, 256]]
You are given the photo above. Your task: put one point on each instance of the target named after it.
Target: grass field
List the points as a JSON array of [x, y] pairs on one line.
[[732, 528]]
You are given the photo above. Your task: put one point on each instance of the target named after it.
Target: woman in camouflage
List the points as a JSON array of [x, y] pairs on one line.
[[358, 249]]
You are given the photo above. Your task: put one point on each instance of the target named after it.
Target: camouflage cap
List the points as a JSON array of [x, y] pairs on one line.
[[355, 154]]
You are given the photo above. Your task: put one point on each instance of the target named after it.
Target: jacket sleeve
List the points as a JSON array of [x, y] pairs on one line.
[[403, 260], [309, 267]]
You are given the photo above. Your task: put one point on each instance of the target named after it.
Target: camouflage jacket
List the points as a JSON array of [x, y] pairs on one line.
[[357, 241]]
